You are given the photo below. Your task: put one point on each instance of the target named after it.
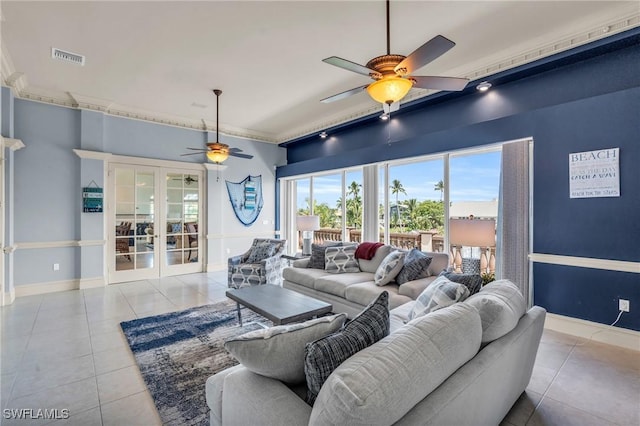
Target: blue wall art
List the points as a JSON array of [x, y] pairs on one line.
[[246, 198]]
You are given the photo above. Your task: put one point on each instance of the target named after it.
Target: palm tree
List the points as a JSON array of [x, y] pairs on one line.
[[439, 187], [412, 210], [397, 188]]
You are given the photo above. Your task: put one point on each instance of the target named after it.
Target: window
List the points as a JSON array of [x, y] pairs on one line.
[[411, 200]]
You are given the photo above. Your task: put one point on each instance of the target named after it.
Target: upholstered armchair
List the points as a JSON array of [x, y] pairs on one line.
[[261, 264]]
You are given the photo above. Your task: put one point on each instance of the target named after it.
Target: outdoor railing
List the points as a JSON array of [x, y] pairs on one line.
[[427, 241]]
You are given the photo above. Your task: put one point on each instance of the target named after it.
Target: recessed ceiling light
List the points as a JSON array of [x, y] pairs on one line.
[[484, 86], [323, 135], [384, 116]]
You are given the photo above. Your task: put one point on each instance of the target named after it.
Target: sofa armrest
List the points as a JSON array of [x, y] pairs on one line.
[[301, 263], [251, 399]]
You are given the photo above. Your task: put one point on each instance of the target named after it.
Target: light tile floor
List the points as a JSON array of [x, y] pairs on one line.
[[66, 350]]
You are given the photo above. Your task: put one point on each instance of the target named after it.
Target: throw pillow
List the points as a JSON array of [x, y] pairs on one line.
[[501, 305], [472, 281], [416, 266], [278, 352], [260, 252], [326, 354], [389, 268], [440, 294], [338, 260], [316, 261]]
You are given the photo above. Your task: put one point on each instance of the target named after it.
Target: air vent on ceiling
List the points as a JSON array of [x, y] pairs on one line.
[[63, 55]]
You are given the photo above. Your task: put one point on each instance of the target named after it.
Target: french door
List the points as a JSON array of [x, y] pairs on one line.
[[155, 222]]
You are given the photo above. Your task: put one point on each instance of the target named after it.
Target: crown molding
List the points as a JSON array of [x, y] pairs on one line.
[[18, 82]]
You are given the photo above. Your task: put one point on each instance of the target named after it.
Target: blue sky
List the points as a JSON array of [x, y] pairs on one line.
[[472, 178]]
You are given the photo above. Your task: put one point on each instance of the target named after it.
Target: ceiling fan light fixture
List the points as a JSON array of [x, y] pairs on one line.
[[389, 89], [218, 152]]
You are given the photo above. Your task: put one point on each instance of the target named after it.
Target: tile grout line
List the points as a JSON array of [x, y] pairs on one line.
[[93, 361]]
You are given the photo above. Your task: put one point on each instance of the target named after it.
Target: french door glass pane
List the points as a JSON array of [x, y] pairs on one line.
[[182, 218], [134, 194]]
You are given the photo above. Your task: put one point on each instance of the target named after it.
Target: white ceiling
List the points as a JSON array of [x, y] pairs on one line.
[[160, 60]]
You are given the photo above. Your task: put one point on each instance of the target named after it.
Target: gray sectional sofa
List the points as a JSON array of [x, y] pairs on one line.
[[465, 364], [351, 292]]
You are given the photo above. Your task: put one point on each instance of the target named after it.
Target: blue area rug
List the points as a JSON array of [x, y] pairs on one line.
[[177, 352]]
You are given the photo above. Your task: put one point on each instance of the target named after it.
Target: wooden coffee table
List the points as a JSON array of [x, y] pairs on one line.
[[280, 305]]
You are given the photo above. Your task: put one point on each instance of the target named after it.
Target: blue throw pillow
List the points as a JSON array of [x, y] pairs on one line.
[[472, 281], [416, 266]]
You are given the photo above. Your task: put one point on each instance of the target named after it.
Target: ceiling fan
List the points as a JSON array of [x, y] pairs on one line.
[[392, 73], [188, 180], [218, 152]]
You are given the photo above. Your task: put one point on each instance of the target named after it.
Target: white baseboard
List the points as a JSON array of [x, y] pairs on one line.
[[49, 287], [9, 297], [611, 335], [95, 282], [216, 267]]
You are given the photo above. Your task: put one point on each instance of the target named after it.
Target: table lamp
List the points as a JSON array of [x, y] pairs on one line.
[[307, 224], [472, 233]]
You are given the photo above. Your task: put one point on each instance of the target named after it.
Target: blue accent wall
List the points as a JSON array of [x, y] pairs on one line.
[[586, 101]]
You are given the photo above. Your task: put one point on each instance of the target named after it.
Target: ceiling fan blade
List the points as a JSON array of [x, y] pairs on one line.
[[235, 150], [426, 53], [343, 95], [348, 65], [192, 153], [237, 154], [440, 83], [199, 149]]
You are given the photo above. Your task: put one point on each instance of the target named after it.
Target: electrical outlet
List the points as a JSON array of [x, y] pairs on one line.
[[623, 305], [56, 266]]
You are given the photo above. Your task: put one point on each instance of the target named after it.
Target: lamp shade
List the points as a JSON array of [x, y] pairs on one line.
[[389, 89], [308, 223], [218, 152], [472, 232]]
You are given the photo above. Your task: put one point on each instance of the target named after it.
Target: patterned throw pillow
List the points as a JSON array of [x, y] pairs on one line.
[[416, 266], [338, 260], [316, 261], [389, 268], [326, 354], [261, 251], [440, 294], [472, 281]]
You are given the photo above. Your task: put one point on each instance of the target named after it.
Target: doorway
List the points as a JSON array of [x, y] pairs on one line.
[[155, 228]]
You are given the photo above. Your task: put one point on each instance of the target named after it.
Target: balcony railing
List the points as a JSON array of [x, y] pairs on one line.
[[422, 240]]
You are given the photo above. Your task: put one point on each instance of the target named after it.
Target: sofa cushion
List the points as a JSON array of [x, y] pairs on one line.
[[303, 276], [363, 293], [337, 284], [472, 281], [316, 260], [501, 305], [440, 294], [326, 354], [389, 268], [278, 352], [416, 266], [372, 265], [412, 289], [341, 259], [399, 316], [364, 390]]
